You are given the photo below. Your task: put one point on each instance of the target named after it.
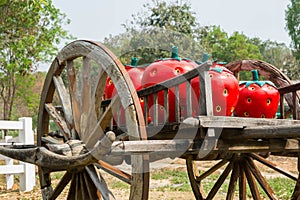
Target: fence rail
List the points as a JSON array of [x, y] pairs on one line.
[[25, 171]]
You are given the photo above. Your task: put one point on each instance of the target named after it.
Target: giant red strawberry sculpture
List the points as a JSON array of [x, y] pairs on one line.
[[257, 98]]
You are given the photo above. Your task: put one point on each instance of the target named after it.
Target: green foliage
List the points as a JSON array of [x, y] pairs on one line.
[[227, 48], [279, 55], [292, 16], [176, 16], [29, 30], [149, 45], [152, 33]]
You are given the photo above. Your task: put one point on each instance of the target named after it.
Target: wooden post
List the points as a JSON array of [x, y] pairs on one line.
[[206, 108]]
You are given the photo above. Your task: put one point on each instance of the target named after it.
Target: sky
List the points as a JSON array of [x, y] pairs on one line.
[[97, 19]]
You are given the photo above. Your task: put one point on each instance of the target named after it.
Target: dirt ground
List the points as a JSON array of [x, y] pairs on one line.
[[289, 164]]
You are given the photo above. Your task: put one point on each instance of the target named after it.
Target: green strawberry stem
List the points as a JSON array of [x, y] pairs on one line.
[[255, 80], [175, 52], [134, 61], [255, 76]]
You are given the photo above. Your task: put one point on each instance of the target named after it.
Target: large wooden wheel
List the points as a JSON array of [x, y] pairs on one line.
[[71, 98], [229, 178], [230, 175]]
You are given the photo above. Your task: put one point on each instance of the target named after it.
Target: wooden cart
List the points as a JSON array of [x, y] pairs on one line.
[[72, 98]]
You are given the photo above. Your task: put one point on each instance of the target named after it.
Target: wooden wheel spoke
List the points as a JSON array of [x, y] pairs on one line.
[[220, 181], [233, 181], [72, 190], [49, 140], [103, 122], [78, 193], [273, 166], [99, 182], [99, 92], [91, 189], [193, 173], [85, 186], [252, 184], [242, 182], [123, 176], [72, 84], [87, 119], [59, 120], [211, 170], [264, 184], [61, 185], [64, 97]]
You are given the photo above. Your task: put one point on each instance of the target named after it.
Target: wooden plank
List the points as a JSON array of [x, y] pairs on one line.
[[140, 177], [146, 109], [241, 122], [146, 146], [155, 109], [296, 105], [188, 99], [281, 106], [206, 104], [289, 88], [279, 131], [166, 105], [177, 104], [187, 146], [248, 146]]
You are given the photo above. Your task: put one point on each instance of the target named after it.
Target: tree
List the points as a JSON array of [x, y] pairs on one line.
[[149, 45], [152, 33], [292, 17], [279, 55], [227, 48], [176, 16], [29, 30]]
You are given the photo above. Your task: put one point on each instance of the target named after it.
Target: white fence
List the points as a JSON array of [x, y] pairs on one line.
[[26, 171]]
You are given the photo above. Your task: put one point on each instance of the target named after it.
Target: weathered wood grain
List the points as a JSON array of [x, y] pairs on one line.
[[59, 120]]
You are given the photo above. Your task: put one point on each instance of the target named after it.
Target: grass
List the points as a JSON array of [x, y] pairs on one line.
[[177, 181], [283, 187]]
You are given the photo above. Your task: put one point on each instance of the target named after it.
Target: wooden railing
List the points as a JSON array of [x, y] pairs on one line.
[[172, 85], [286, 90]]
